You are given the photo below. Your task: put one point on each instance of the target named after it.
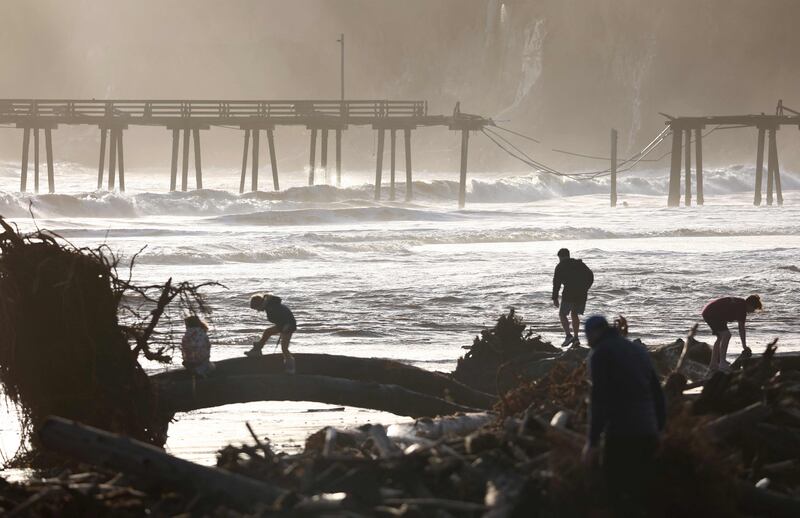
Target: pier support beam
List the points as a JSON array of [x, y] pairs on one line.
[[112, 159], [121, 164], [462, 185], [173, 177], [409, 175], [244, 160], [36, 160], [102, 164], [26, 144], [674, 198], [776, 169], [48, 150], [312, 158], [379, 164], [759, 167], [273, 160], [324, 156], [698, 149], [185, 163], [613, 168], [392, 146], [254, 173], [198, 170], [687, 154], [770, 165], [338, 158]]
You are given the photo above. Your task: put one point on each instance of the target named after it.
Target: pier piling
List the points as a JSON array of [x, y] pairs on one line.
[[392, 144], [409, 175], [759, 166], [674, 198], [121, 162], [36, 160], [687, 153], [613, 168], [256, 148], [379, 164], [198, 170], [312, 158], [102, 164], [26, 143], [770, 164], [273, 160], [185, 160], [173, 177], [324, 156], [48, 149], [244, 160], [698, 149], [338, 158], [462, 184], [776, 171], [112, 159]]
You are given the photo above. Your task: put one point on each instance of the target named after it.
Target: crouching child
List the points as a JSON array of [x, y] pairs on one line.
[[196, 347]]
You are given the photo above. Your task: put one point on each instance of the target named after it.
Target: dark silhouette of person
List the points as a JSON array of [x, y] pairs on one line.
[[576, 278], [627, 404], [717, 314], [284, 326]]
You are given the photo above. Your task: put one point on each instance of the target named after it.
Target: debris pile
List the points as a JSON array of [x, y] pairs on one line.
[[63, 350]]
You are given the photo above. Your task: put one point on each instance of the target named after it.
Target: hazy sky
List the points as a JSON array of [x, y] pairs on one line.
[[565, 71]]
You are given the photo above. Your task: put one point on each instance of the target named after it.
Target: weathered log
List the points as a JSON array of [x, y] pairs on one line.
[[358, 369], [433, 429], [187, 394], [727, 424], [132, 457]]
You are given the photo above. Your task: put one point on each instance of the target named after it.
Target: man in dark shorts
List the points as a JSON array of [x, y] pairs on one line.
[[285, 326], [627, 404], [717, 314], [577, 278]]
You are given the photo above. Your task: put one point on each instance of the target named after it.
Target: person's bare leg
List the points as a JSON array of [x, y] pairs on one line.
[[576, 324], [288, 359], [725, 339], [714, 364], [564, 322]]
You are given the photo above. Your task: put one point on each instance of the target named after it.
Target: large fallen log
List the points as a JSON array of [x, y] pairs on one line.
[[154, 466], [188, 394], [376, 370]]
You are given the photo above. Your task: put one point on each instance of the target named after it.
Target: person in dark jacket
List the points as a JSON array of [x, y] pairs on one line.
[[284, 326], [627, 403], [576, 278], [717, 314]]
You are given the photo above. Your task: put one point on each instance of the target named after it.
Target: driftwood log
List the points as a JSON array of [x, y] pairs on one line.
[[100, 448], [374, 370], [188, 394]]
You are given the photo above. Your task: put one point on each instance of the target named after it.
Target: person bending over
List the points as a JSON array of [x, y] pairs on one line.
[[626, 403], [576, 278], [196, 347], [284, 326], [717, 314]]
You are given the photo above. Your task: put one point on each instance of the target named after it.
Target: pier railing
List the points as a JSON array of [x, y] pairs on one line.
[[143, 111]]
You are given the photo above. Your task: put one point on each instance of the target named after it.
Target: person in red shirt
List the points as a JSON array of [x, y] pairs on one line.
[[717, 314]]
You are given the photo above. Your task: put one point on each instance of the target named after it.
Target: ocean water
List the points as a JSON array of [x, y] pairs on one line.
[[416, 281]]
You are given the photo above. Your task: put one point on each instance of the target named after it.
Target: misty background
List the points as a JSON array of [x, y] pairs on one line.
[[563, 71]]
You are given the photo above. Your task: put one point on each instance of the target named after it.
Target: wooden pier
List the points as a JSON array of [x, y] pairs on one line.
[[767, 126], [186, 119]]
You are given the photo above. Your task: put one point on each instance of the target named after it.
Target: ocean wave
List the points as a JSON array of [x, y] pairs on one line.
[[197, 257], [335, 215]]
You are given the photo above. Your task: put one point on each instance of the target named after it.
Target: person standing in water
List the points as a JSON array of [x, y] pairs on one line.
[[576, 278], [717, 314], [284, 326]]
